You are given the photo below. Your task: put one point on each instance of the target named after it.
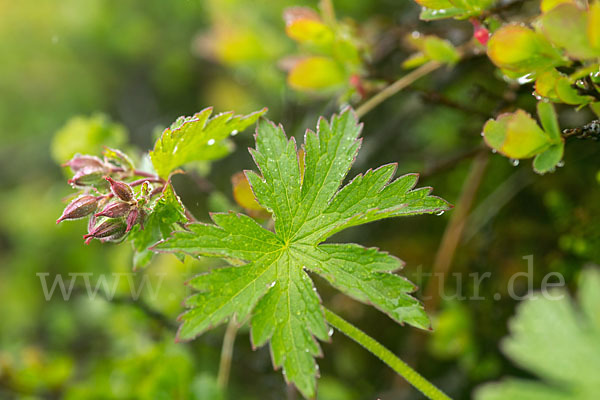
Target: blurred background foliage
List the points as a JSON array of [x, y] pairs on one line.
[[115, 73]]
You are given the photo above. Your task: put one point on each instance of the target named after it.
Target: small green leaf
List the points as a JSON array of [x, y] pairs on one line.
[[549, 121], [568, 94], [163, 218], [568, 18], [198, 138], [516, 135], [429, 14], [547, 161], [441, 50], [272, 287]]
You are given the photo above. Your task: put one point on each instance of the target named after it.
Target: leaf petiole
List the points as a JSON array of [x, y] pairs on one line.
[[385, 355]]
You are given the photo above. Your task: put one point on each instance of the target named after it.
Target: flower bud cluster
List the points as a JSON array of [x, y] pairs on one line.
[[115, 209]]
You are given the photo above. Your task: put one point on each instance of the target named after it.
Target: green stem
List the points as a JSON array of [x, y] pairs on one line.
[[389, 358], [227, 354]]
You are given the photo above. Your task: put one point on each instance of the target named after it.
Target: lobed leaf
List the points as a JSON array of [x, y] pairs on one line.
[[556, 341], [271, 287], [198, 138]]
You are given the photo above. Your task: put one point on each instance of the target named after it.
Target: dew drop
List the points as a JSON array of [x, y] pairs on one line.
[[211, 142], [525, 79], [514, 162], [330, 332], [494, 151], [439, 213], [272, 284], [234, 132], [482, 134], [560, 164]]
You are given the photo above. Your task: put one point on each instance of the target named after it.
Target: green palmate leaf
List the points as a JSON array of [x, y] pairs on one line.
[[198, 138], [272, 287], [556, 341], [163, 218]]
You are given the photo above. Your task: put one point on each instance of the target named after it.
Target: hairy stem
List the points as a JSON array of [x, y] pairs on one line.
[[397, 86], [227, 354], [385, 355]]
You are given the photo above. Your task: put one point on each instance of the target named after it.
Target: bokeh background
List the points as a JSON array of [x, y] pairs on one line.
[[75, 75]]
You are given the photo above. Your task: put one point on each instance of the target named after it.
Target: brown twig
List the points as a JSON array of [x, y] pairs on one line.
[[454, 231], [588, 131], [397, 86]]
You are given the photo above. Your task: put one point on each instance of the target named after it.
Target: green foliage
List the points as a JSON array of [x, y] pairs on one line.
[[162, 219], [86, 135], [331, 51], [271, 287], [430, 48], [440, 9], [518, 136], [556, 341], [198, 138]]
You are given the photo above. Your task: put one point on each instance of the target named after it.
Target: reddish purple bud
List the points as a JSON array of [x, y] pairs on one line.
[[116, 209], [120, 189], [109, 230], [79, 208], [80, 162], [132, 219]]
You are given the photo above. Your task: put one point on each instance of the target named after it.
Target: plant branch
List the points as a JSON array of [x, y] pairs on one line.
[[397, 86], [454, 230], [385, 355], [587, 131], [227, 354]]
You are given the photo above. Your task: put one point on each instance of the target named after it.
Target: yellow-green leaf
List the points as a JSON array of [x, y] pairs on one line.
[[566, 27], [518, 48], [436, 4], [305, 26], [515, 135], [593, 25], [545, 84], [440, 50], [316, 73], [547, 5], [568, 94]]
